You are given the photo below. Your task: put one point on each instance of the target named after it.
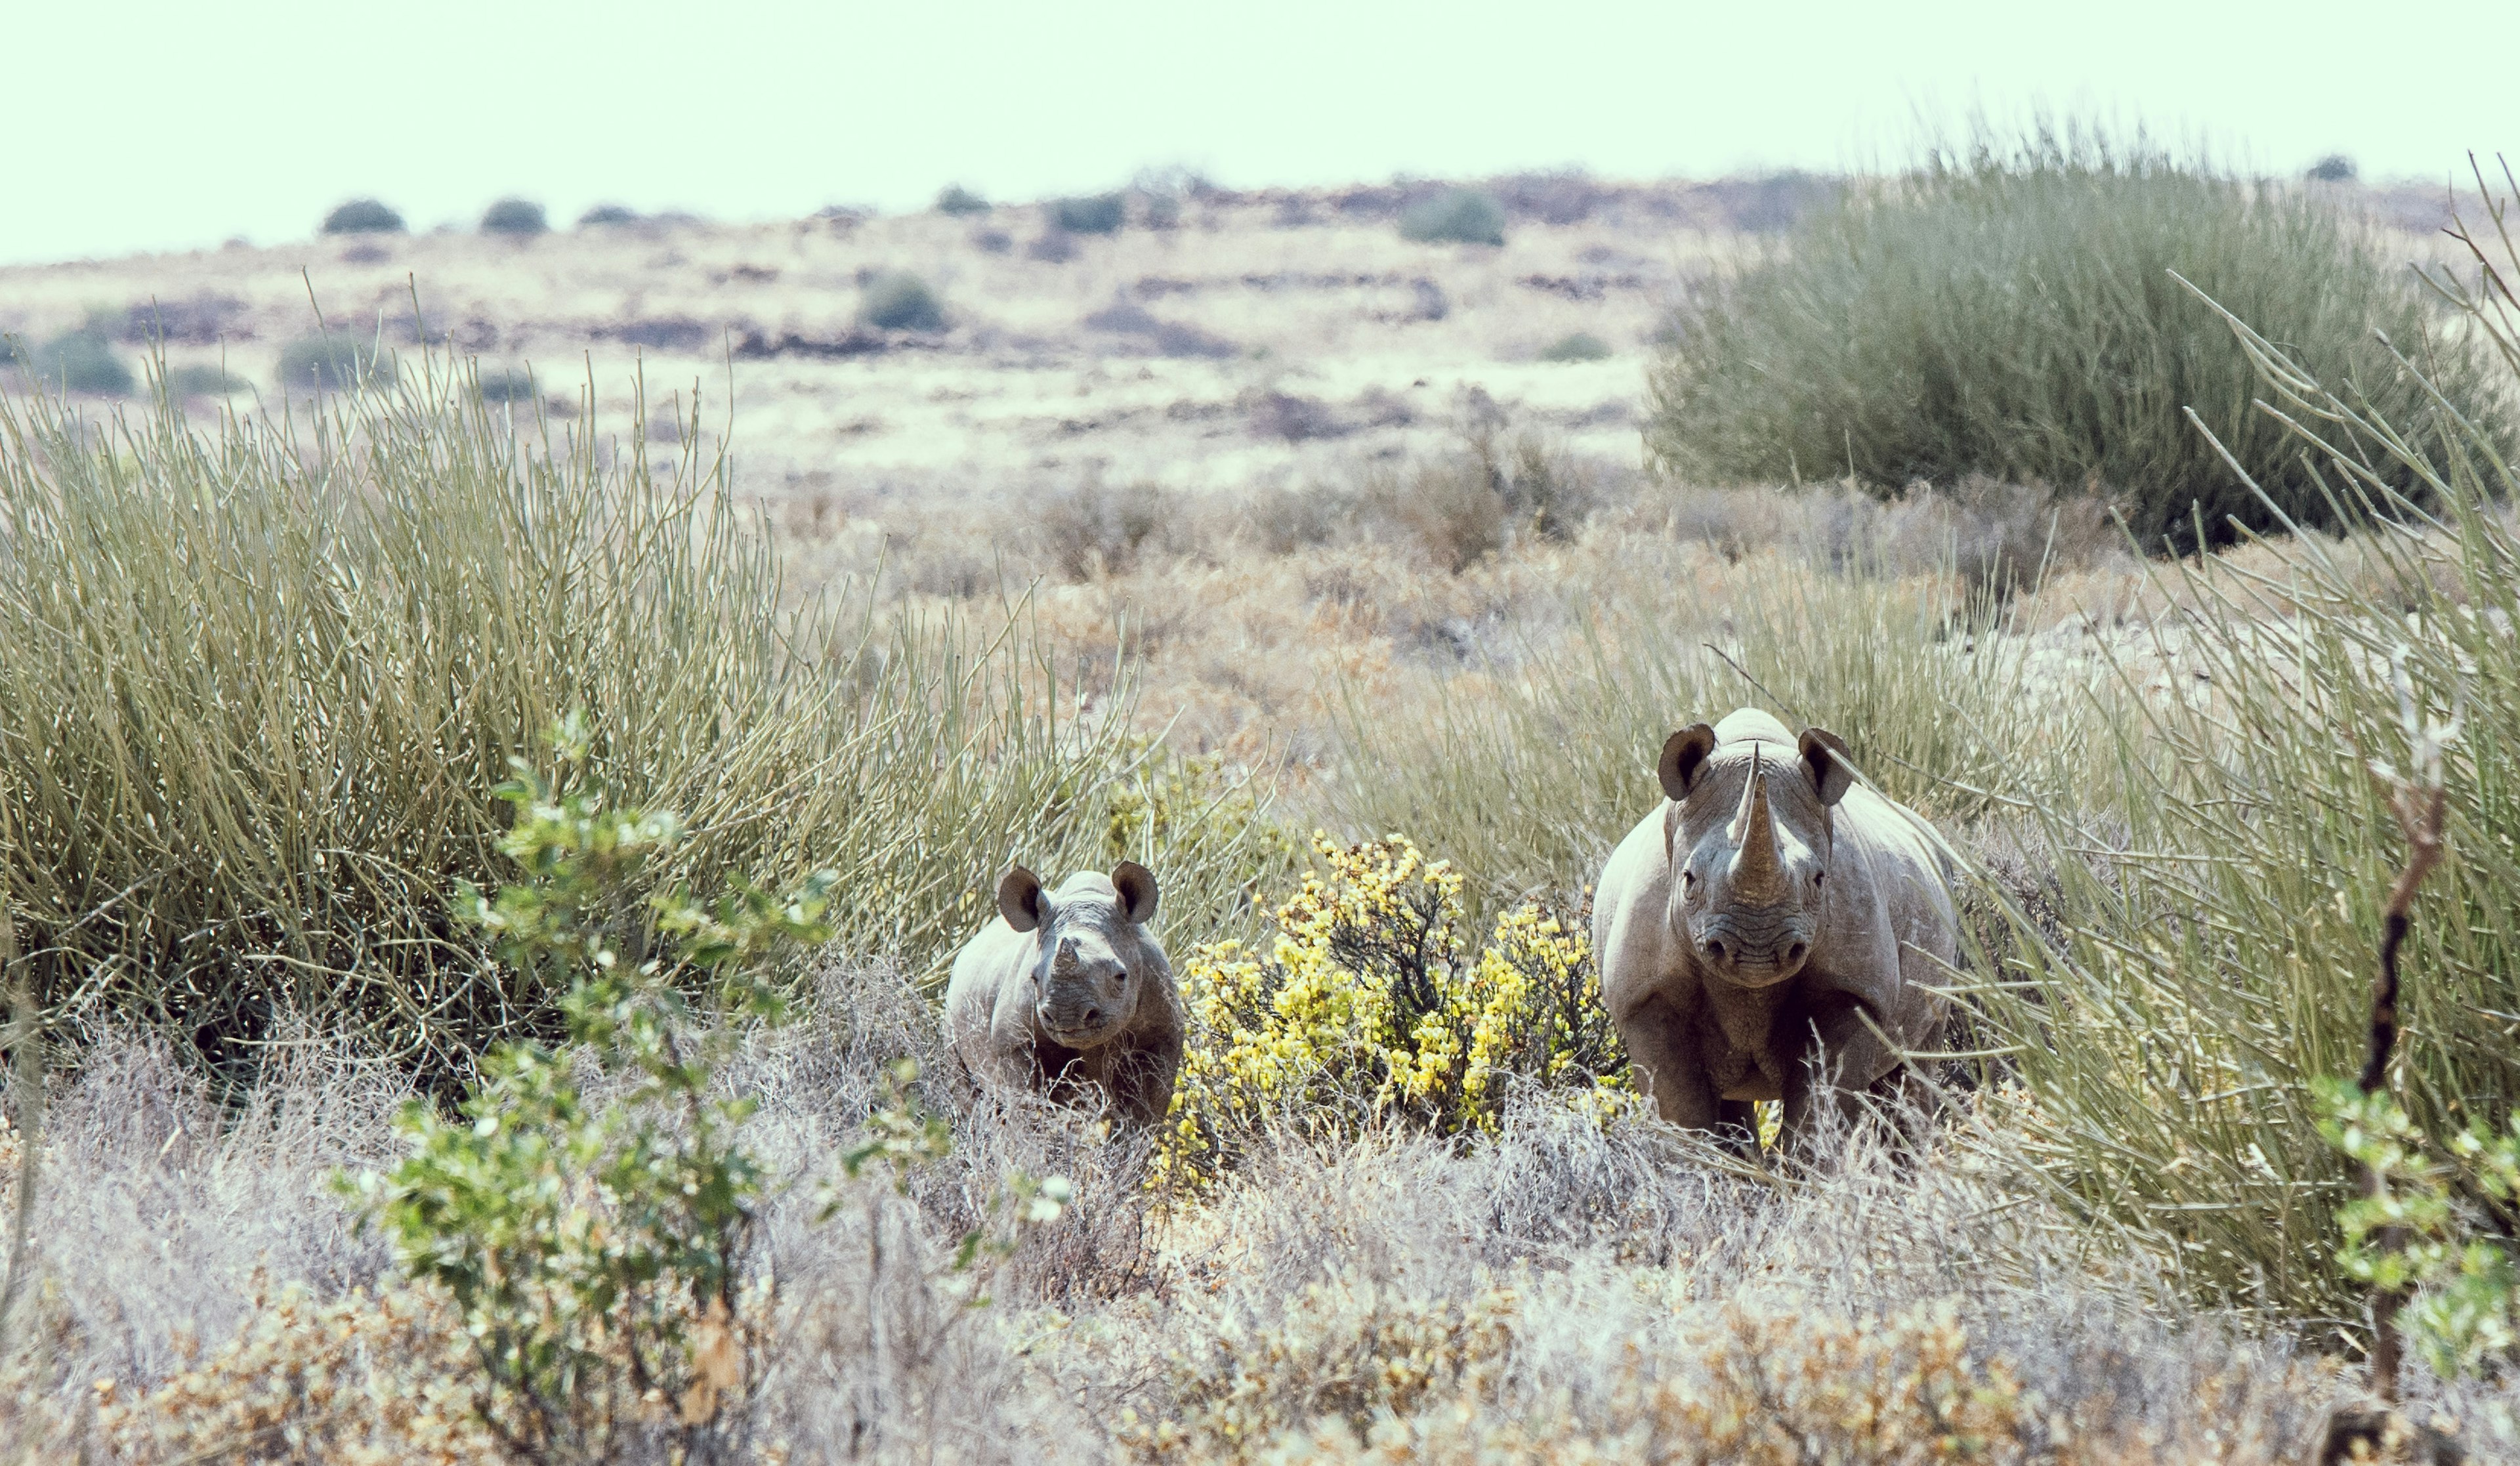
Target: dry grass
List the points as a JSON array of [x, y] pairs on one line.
[[1572, 1292]]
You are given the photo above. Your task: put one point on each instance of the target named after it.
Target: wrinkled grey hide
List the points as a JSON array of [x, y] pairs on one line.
[[1750, 925], [1069, 989]]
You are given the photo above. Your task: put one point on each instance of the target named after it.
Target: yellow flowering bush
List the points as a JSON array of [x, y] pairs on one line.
[[1368, 1005]]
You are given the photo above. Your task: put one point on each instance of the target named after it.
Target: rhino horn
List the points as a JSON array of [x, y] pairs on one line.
[[1758, 879]]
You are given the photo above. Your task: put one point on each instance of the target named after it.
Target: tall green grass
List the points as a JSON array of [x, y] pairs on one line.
[[263, 678], [2220, 950], [1528, 784], [2011, 311]]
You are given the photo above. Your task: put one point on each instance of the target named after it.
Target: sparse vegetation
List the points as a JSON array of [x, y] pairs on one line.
[[2019, 312], [1457, 216], [518, 219], [363, 216], [898, 300], [1097, 213]]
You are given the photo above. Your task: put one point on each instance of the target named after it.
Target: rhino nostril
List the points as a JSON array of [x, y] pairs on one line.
[[1715, 950], [1092, 1016], [1794, 954]]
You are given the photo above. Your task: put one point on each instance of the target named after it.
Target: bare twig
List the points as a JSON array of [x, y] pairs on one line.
[[2418, 800]]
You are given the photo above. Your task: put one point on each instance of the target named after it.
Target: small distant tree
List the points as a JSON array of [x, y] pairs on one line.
[[900, 302], [1461, 216], [1101, 213], [363, 216], [2335, 167], [521, 218], [959, 201], [1580, 346], [80, 360], [604, 215]]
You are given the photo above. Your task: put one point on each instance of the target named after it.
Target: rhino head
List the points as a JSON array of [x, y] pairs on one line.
[[1091, 962], [1751, 835]]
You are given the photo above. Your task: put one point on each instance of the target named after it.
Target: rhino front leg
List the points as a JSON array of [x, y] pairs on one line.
[[1663, 1056], [1141, 1080], [1841, 1053]]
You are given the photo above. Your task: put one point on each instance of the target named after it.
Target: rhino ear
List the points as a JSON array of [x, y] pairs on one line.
[[1684, 758], [1020, 898], [1825, 760], [1136, 887]]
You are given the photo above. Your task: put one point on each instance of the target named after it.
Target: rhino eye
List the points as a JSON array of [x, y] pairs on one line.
[[1122, 979], [1817, 877], [1687, 881]]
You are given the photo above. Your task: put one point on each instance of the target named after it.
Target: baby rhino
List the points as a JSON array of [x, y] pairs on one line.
[[1069, 988]]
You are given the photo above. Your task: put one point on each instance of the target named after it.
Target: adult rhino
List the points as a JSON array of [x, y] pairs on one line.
[[1750, 927], [1069, 989]]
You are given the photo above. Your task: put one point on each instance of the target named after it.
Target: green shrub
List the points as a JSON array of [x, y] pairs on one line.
[[1457, 216], [2335, 167], [520, 218], [334, 363], [507, 384], [1100, 213], [202, 380], [596, 1255], [80, 360], [958, 200], [899, 301], [2219, 939], [605, 215], [1581, 347], [371, 598], [2015, 314], [363, 216]]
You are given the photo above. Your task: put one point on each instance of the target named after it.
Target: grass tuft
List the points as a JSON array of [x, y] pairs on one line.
[[267, 671], [2014, 311]]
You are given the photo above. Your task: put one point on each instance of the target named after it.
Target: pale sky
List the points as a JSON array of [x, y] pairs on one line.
[[160, 126]]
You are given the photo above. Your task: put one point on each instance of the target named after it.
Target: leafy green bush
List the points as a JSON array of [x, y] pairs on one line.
[[1457, 216], [899, 301], [369, 599], [332, 362], [363, 216], [1100, 213], [80, 360], [958, 200], [2431, 1230], [2218, 941], [2014, 313], [605, 215], [1581, 347], [520, 218], [596, 1255]]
